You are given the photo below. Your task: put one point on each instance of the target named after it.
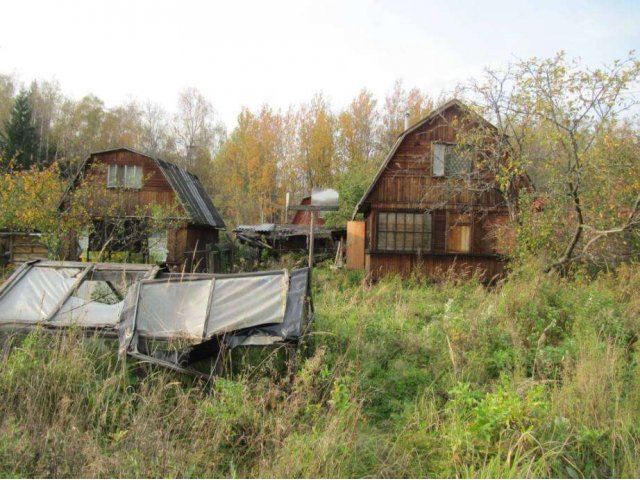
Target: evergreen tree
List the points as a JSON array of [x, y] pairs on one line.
[[19, 140]]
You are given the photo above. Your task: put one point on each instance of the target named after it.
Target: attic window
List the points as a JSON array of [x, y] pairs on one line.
[[124, 176], [449, 161]]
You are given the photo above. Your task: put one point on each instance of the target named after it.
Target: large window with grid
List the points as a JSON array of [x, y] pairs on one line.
[[404, 232]]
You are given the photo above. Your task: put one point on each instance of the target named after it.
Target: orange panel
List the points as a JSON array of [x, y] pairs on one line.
[[355, 245]]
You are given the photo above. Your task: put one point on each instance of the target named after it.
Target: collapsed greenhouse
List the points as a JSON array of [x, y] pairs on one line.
[[170, 319]]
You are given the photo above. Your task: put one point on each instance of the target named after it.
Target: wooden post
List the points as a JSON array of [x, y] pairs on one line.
[[311, 234]]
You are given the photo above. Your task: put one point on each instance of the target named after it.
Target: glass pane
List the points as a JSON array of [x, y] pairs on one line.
[[417, 219], [112, 175], [427, 222], [409, 241], [438, 159], [138, 180], [130, 176], [391, 222], [382, 240], [401, 222], [382, 221], [391, 241], [399, 241]]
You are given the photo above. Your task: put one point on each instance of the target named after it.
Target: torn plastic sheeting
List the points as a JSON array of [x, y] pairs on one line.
[[34, 297], [294, 318], [173, 309], [153, 313], [59, 294], [198, 308]]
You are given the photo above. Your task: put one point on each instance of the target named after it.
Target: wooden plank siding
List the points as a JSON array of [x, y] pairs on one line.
[[406, 184], [155, 187]]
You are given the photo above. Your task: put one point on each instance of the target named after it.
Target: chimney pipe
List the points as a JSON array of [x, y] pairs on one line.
[[406, 121]]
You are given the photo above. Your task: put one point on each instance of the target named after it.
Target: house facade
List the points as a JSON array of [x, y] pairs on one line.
[[430, 208], [125, 189]]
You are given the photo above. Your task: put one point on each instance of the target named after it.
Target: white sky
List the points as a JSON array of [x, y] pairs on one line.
[[246, 53]]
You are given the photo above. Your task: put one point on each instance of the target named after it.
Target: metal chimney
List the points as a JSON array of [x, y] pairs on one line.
[[406, 121]]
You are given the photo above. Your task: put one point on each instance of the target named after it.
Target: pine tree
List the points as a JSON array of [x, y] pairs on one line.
[[19, 140]]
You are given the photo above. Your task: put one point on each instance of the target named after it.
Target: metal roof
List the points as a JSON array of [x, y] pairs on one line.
[[192, 195]]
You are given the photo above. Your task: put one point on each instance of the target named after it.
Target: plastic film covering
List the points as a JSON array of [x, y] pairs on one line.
[[244, 302], [173, 309], [93, 304], [37, 294], [294, 319]]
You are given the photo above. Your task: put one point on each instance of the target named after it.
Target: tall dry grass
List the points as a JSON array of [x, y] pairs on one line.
[[537, 377]]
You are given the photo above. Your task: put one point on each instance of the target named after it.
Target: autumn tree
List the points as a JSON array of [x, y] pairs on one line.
[[571, 126], [316, 143], [197, 132], [397, 104], [251, 188]]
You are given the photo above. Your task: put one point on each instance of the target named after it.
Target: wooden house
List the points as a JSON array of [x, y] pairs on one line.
[[139, 184], [421, 214]]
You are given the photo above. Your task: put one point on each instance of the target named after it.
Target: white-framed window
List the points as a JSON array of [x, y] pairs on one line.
[[124, 176], [404, 231], [448, 161]]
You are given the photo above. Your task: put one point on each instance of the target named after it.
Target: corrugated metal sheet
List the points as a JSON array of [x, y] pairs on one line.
[[192, 195]]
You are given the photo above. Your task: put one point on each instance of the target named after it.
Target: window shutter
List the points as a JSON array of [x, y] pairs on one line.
[[439, 150], [439, 230]]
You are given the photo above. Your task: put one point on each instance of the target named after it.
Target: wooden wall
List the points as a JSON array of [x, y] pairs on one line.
[[155, 188], [434, 266], [22, 248], [187, 247]]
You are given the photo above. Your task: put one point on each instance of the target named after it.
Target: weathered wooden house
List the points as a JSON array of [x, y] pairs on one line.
[[140, 184], [424, 211]]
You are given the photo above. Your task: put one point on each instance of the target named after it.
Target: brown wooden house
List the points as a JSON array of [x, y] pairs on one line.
[[418, 212], [138, 183]]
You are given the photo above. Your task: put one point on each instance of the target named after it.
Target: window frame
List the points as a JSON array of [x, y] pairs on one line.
[[448, 147], [427, 232], [113, 172]]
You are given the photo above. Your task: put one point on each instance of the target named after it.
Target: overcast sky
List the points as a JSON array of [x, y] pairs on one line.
[[253, 52]]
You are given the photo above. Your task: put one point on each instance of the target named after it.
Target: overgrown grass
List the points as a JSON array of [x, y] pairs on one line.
[[537, 377]]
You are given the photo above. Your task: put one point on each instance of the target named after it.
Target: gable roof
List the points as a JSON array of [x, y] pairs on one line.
[[186, 185], [434, 114]]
